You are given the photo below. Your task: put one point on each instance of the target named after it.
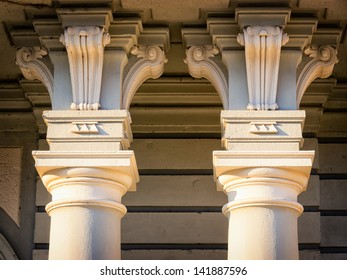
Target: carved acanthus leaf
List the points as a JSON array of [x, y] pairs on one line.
[[200, 65], [33, 68], [150, 65], [85, 48], [322, 64], [262, 51]]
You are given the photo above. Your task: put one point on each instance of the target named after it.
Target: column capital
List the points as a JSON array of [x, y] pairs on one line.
[[85, 131], [262, 61], [92, 54], [117, 167], [270, 164], [259, 130]]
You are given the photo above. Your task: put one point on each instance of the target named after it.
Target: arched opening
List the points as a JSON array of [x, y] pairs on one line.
[[6, 251], [176, 126]]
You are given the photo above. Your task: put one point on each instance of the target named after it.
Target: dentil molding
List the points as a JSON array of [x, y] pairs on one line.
[[200, 65], [150, 65], [33, 68], [85, 49], [262, 52], [322, 64]]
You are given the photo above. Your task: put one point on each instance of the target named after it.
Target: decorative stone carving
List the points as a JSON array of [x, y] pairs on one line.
[[321, 66], [84, 128], [263, 128], [200, 65], [262, 51], [85, 48], [150, 65], [28, 59]]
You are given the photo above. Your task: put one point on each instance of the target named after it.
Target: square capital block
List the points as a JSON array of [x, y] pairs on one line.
[[96, 131], [262, 130]]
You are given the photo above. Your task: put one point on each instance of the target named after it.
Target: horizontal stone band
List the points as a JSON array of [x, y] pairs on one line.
[[86, 203], [259, 203]]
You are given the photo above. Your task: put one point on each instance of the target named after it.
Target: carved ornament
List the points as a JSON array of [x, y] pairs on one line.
[[85, 49], [33, 68], [262, 51], [322, 64], [150, 65], [200, 65]]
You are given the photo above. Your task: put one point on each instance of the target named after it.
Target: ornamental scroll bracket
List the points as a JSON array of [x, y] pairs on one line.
[[322, 64], [85, 49], [150, 65], [262, 52], [29, 59], [200, 65]]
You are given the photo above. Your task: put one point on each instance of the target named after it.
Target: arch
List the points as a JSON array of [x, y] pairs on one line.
[[30, 60], [200, 65], [150, 65], [321, 66], [6, 251]]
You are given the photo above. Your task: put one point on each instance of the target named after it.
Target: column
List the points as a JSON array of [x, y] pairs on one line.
[[261, 74], [262, 172], [87, 171], [98, 63]]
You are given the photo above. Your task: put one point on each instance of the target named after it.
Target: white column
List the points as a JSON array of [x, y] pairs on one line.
[[262, 172], [87, 171]]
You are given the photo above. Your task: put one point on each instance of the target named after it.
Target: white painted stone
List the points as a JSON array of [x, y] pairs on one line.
[[247, 131], [262, 52], [150, 65], [322, 64], [200, 65], [262, 181], [33, 68], [107, 130], [86, 181]]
